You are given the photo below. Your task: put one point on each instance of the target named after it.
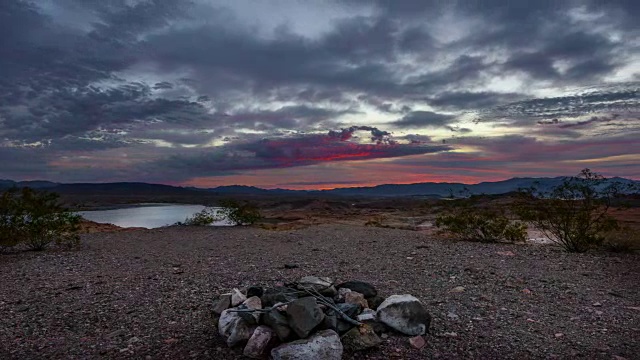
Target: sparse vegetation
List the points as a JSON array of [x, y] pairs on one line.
[[573, 214], [232, 210], [239, 213], [464, 222], [36, 219], [621, 240], [206, 216]]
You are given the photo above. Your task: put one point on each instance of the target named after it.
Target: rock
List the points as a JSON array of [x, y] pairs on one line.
[[237, 297], [263, 337], [360, 338], [252, 318], [322, 285], [356, 298], [324, 345], [254, 291], [366, 314], [278, 323], [304, 315], [272, 296], [233, 327], [375, 301], [597, 304], [362, 287], [290, 266], [404, 313], [453, 316], [221, 304], [330, 321], [457, 289], [341, 293], [417, 342]]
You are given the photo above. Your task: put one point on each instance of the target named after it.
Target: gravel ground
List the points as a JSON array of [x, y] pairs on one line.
[[146, 294]]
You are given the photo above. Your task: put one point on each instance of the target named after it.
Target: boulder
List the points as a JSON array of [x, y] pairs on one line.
[[237, 297], [252, 318], [324, 345], [304, 315], [279, 323], [360, 338], [351, 310], [362, 287], [353, 297], [258, 345], [323, 285], [404, 313], [221, 304]]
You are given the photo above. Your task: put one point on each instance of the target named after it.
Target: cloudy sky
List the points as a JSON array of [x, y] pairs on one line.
[[317, 94]]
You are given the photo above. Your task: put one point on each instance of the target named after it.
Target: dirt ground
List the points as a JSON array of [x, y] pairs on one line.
[[146, 294]]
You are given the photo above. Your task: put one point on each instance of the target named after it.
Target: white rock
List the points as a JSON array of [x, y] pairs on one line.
[[404, 313], [237, 297], [233, 327], [324, 345], [367, 314]]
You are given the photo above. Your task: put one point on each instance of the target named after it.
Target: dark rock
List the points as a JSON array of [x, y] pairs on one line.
[[221, 304], [362, 287], [278, 323], [290, 266], [351, 310], [404, 313], [360, 338], [322, 285], [330, 321], [272, 296], [375, 301], [304, 315], [255, 291], [324, 345]]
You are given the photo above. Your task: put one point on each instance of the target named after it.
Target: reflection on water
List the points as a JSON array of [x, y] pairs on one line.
[[148, 216]]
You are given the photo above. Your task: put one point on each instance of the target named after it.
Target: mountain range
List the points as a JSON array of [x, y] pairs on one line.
[[427, 189]]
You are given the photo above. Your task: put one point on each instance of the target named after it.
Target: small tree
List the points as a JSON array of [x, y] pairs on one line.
[[206, 216], [574, 213], [239, 213], [36, 219], [465, 222]]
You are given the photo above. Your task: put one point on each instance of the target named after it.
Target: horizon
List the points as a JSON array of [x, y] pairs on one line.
[[317, 95], [311, 189]]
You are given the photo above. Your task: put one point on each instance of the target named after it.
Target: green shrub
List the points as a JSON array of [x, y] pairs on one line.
[[483, 225], [573, 214], [621, 240], [36, 219], [206, 216], [239, 213]]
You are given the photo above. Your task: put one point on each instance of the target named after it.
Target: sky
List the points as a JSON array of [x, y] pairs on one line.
[[317, 94]]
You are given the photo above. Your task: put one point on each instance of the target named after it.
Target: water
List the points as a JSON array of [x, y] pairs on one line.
[[146, 215]]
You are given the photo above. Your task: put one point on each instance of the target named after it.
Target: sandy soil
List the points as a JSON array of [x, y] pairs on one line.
[[146, 294]]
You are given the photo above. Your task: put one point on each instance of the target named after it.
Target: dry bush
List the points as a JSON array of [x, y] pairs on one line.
[[623, 239]]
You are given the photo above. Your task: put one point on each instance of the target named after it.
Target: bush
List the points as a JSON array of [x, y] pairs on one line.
[[573, 214], [36, 219], [205, 217], [239, 213], [621, 240], [483, 225]]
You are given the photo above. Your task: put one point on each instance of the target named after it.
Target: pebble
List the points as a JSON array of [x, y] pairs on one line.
[[457, 289], [417, 342]]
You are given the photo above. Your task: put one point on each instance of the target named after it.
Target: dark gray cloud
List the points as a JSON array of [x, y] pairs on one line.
[[424, 119], [100, 76]]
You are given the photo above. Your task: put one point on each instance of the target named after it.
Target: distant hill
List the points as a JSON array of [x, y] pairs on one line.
[[387, 190]]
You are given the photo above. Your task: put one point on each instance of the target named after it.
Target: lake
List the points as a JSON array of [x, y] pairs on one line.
[[146, 215]]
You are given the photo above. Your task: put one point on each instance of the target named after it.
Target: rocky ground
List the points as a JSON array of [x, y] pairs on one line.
[[147, 293]]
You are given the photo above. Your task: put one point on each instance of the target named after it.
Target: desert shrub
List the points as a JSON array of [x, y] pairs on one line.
[[206, 216], [36, 219], [239, 213], [483, 225], [623, 239], [573, 214]]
